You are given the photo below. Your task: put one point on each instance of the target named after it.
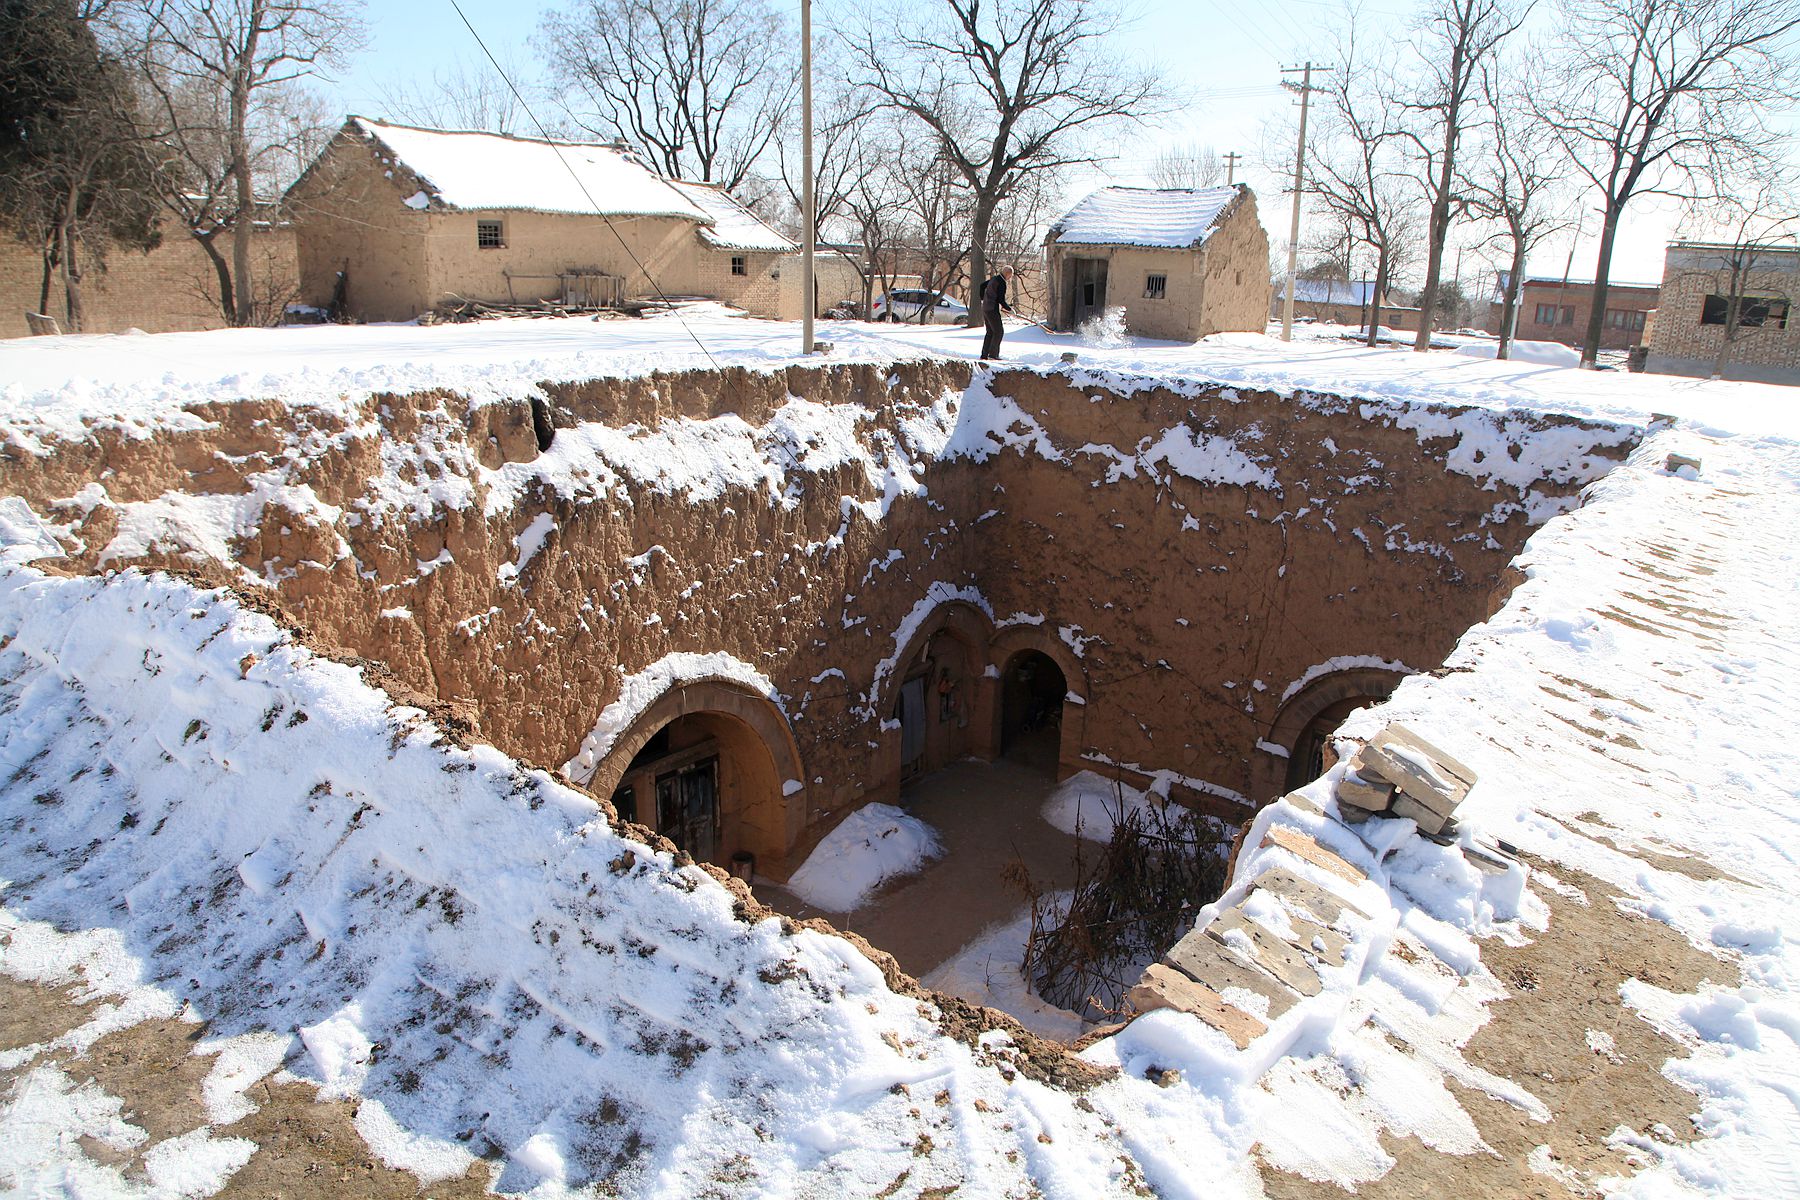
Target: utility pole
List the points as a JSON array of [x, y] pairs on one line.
[[1306, 89], [1231, 161], [808, 291]]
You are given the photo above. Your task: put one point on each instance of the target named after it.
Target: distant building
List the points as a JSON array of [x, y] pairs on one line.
[[1181, 263], [1340, 302], [394, 221], [1552, 309], [1699, 280]]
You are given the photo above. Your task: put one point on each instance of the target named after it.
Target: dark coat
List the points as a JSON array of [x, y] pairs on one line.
[[993, 295]]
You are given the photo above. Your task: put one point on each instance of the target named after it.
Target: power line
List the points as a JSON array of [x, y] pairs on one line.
[[573, 174]]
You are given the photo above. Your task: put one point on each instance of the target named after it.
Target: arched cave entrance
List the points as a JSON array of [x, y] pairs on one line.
[[1306, 761], [1304, 726], [934, 700], [713, 769], [1032, 690]]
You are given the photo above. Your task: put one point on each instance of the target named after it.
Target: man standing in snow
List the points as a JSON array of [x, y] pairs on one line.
[[993, 302]]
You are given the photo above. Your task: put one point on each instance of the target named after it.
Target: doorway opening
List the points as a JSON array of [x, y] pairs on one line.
[[1032, 691], [933, 704], [1087, 289]]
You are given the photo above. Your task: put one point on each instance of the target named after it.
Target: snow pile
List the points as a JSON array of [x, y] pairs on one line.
[[1548, 354], [875, 843], [204, 817], [1104, 332], [1091, 806], [1175, 218], [988, 971], [500, 171]]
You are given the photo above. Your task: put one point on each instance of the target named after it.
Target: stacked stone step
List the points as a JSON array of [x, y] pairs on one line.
[[1400, 774], [1234, 952]]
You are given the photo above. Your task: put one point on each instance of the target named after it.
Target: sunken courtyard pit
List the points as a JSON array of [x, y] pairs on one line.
[[740, 605]]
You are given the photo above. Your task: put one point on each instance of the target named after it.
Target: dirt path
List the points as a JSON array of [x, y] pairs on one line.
[[1565, 997], [987, 815]]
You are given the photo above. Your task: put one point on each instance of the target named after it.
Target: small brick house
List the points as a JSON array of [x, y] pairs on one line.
[[1182, 263], [1554, 309], [393, 221], [1699, 279]]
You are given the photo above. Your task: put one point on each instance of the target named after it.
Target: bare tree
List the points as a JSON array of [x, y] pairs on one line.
[[1745, 235], [1664, 96], [1455, 39], [76, 177], [223, 74], [1515, 185], [1187, 166], [468, 95], [1355, 166], [1009, 90], [703, 87]]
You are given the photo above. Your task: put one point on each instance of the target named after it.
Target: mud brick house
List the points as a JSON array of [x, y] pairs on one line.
[[1554, 309], [1182, 263], [1341, 302], [1699, 280], [394, 221]]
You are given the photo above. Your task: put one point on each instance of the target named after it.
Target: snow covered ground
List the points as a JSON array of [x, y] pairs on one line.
[[464, 946], [139, 381]]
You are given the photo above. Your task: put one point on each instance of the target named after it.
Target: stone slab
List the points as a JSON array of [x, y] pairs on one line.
[[1273, 955], [1490, 860], [1303, 845], [1322, 904], [1428, 821], [1395, 755], [1368, 795], [1165, 987], [1327, 945], [1211, 963]]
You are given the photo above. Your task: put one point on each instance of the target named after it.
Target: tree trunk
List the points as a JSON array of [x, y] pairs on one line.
[[1590, 343], [222, 271], [1509, 307], [71, 276], [1734, 308], [978, 264], [244, 227], [49, 273], [1378, 295]]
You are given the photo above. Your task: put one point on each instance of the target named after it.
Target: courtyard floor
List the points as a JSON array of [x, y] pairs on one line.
[[987, 815]]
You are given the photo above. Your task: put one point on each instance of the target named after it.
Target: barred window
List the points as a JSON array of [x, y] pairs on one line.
[[1155, 286], [738, 266], [489, 235]]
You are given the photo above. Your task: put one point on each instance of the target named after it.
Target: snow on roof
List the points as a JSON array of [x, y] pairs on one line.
[[1329, 291], [1125, 216], [734, 227], [466, 170]]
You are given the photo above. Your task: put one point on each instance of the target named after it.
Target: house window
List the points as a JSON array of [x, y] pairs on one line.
[[1546, 314], [1752, 310], [1625, 318], [738, 267], [1155, 286], [489, 235]]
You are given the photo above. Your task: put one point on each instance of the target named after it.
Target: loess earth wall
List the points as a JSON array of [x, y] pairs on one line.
[[1196, 560]]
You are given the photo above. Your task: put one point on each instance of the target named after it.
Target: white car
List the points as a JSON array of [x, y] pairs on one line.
[[909, 305]]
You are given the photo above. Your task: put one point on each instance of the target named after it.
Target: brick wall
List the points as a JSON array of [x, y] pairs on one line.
[[1681, 345], [1573, 302], [168, 289]]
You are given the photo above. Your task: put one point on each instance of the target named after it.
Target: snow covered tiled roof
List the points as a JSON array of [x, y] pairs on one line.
[[734, 226], [498, 171], [1330, 291], [1125, 216]]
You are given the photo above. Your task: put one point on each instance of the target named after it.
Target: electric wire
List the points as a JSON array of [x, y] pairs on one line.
[[573, 174]]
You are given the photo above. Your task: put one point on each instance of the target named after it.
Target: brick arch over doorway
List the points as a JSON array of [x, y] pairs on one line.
[[1014, 641], [757, 771], [1325, 699], [935, 705]]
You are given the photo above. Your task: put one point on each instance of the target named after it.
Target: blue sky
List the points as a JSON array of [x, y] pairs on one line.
[[1223, 55]]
